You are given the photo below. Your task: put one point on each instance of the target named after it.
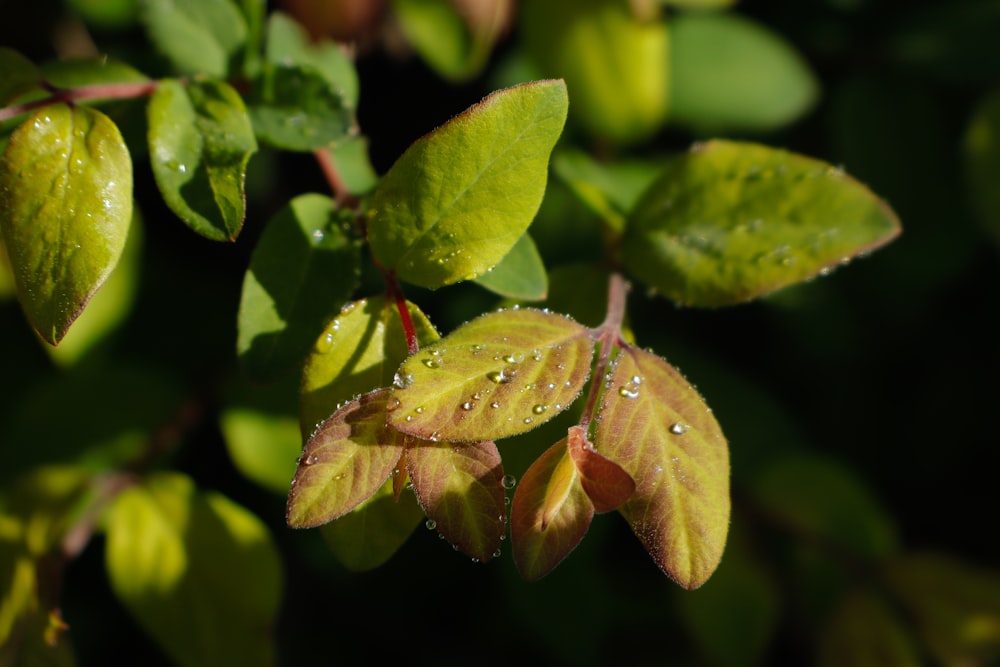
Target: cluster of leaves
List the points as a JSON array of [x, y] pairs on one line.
[[387, 406]]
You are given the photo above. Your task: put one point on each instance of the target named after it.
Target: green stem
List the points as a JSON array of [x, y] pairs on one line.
[[71, 95]]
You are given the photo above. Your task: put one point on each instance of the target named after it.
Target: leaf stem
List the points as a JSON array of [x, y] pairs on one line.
[[124, 90], [332, 174], [608, 335]]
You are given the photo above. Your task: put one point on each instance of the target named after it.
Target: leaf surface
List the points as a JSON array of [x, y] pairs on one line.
[[289, 43], [459, 198], [731, 221], [499, 375], [519, 275], [197, 36], [65, 209], [658, 429], [603, 480], [17, 75]]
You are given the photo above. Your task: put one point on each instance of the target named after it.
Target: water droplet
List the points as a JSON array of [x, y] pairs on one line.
[[468, 405], [496, 554], [508, 481], [318, 235], [495, 405], [434, 436], [402, 381], [432, 362], [420, 410], [679, 428], [430, 524], [502, 376], [550, 386], [539, 409], [626, 392], [528, 420], [514, 358], [312, 459], [391, 404]]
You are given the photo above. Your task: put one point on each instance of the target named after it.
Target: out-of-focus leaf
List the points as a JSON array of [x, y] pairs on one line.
[[77, 72], [301, 273], [17, 75], [609, 190], [175, 554], [731, 221], [45, 502], [501, 374], [106, 14], [982, 162], [289, 44], [699, 4], [615, 65], [580, 291], [197, 36], [952, 40], [296, 108], [460, 487], [353, 164], [200, 140], [460, 197], [65, 208], [263, 446], [730, 73], [865, 632], [519, 275], [654, 424]]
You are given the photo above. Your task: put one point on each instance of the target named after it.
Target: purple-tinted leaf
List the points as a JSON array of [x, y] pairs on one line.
[[606, 484]]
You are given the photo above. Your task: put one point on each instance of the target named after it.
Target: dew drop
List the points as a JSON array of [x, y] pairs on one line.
[[528, 420], [318, 235], [514, 358], [391, 404], [434, 436], [495, 405], [432, 362], [496, 554], [501, 376], [539, 408], [468, 405], [420, 410], [679, 428], [312, 459], [402, 381], [508, 481], [626, 392], [430, 524]]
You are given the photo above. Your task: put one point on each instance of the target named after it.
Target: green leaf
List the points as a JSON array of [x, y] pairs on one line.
[[65, 208], [77, 72], [353, 164], [301, 273], [368, 537], [263, 446], [46, 501], [550, 513], [175, 554], [460, 487], [344, 462], [865, 632], [519, 275], [197, 36], [655, 425], [295, 108], [730, 73], [106, 14], [18, 75], [981, 151], [460, 197], [730, 221], [200, 140], [360, 349], [698, 4], [499, 375], [289, 44]]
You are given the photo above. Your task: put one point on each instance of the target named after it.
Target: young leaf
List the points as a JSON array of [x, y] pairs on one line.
[[460, 197], [200, 140], [302, 270], [197, 36], [656, 426], [361, 348], [603, 480], [499, 375], [460, 487], [550, 513], [17, 75], [730, 221], [175, 554], [519, 275], [344, 463], [65, 208]]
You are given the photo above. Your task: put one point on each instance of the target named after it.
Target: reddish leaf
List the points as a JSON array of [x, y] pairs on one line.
[[607, 485], [460, 488], [344, 463], [550, 513], [656, 426]]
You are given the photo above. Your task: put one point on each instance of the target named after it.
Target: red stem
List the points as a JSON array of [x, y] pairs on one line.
[[607, 335], [69, 95]]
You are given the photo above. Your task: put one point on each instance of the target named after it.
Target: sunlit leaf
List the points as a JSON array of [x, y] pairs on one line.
[[175, 554], [499, 375], [263, 446], [344, 463], [865, 632], [361, 349], [656, 426], [603, 480], [519, 275], [460, 197], [200, 140], [982, 162], [302, 271], [729, 221], [17, 75], [460, 487], [65, 208], [550, 513], [289, 44], [197, 36]]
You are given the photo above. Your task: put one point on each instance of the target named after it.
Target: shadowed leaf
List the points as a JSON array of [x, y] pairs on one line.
[[197, 36], [865, 632], [519, 275], [604, 481], [288, 43], [17, 75]]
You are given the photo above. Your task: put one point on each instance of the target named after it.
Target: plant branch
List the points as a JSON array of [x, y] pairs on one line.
[[608, 335], [123, 90], [332, 174]]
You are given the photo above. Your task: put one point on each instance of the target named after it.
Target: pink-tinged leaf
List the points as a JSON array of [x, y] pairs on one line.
[[550, 513], [460, 488], [656, 426], [344, 463], [607, 485], [499, 375]]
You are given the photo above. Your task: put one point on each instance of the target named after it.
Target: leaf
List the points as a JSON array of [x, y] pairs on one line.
[[460, 488], [344, 463], [603, 480], [263, 446], [106, 14], [865, 632], [65, 208], [197, 36], [18, 75], [729, 221], [550, 513], [460, 197], [295, 108], [655, 425], [730, 73], [360, 349], [302, 271], [519, 275], [981, 153], [175, 555], [368, 536], [353, 164], [200, 140], [698, 4], [499, 375], [949, 41], [78, 72], [289, 44]]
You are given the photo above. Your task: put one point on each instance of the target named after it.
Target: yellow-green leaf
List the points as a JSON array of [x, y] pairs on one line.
[[519, 275]]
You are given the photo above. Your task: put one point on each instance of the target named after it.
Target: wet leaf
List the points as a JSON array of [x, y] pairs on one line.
[[655, 425], [460, 488], [603, 480], [200, 140], [289, 44], [17, 75], [65, 208], [519, 275], [499, 375], [344, 463], [865, 632], [197, 36], [459, 198], [550, 513], [302, 271], [730, 221]]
